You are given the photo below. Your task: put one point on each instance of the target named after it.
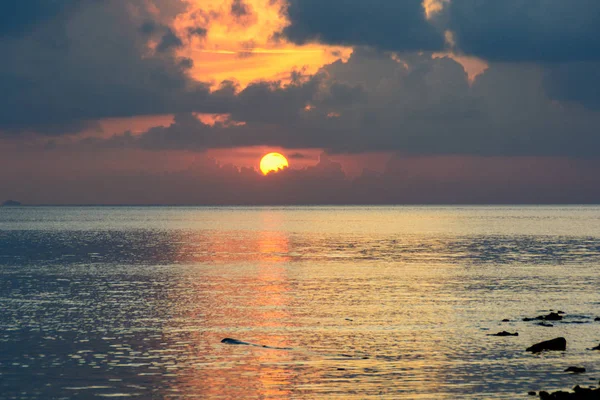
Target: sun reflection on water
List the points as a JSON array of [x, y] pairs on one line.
[[259, 316]]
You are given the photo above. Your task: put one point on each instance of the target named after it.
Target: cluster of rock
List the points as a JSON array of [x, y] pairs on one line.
[[558, 344], [553, 316], [578, 393]]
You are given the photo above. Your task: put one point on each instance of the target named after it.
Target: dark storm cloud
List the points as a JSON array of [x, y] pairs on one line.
[[577, 82], [507, 30], [21, 16], [562, 36], [149, 27], [416, 105], [259, 114], [558, 34], [94, 63], [384, 24], [169, 41], [544, 31], [98, 65]]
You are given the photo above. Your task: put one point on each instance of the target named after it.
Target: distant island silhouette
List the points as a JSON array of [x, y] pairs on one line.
[[11, 203]]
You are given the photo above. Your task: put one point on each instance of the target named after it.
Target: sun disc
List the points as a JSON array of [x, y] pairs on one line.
[[273, 162]]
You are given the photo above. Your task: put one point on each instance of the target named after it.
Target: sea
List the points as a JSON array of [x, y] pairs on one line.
[[318, 302]]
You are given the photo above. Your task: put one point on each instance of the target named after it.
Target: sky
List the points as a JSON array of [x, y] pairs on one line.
[[371, 101]]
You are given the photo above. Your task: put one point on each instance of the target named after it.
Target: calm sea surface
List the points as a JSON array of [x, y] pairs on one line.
[[351, 302]]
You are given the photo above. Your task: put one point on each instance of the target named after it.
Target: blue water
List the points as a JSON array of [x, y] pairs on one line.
[[351, 302]]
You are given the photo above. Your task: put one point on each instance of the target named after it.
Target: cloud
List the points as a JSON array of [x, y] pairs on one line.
[[135, 177], [18, 18], [198, 31], [549, 33], [383, 24], [562, 37], [243, 13], [169, 41], [297, 156], [92, 62], [577, 82], [543, 31], [413, 105], [509, 31], [240, 9]]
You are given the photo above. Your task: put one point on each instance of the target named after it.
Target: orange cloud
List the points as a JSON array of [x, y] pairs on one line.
[[241, 45]]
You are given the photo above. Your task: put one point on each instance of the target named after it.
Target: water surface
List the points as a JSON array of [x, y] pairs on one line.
[[352, 302]]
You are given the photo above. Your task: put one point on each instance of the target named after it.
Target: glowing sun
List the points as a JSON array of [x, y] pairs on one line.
[[273, 162]]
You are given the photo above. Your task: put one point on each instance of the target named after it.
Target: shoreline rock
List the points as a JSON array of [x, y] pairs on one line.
[[546, 325], [575, 370], [558, 344], [550, 317], [578, 393], [504, 333]]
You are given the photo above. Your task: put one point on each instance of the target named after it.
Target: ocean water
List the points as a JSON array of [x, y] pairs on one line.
[[349, 302]]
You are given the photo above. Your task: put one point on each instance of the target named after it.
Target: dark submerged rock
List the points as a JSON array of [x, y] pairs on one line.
[[235, 341], [504, 333], [506, 320], [576, 370], [558, 344], [545, 324], [532, 393], [550, 317], [239, 342], [597, 319], [596, 348], [553, 317]]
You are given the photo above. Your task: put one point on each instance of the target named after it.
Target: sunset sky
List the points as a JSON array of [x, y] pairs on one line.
[[371, 101]]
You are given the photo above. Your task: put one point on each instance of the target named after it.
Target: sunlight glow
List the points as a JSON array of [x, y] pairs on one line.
[[246, 49]]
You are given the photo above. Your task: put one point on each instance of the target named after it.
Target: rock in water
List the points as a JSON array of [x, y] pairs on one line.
[[550, 317], [504, 333], [545, 324], [576, 370], [596, 348], [558, 344], [235, 341], [553, 317], [239, 342]]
